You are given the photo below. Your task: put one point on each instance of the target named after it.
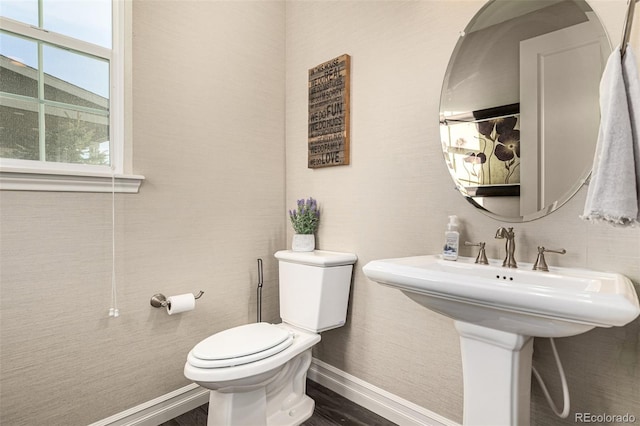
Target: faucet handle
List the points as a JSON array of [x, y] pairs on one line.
[[482, 257], [541, 264]]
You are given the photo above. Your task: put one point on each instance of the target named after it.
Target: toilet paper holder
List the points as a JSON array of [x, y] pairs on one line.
[[160, 301]]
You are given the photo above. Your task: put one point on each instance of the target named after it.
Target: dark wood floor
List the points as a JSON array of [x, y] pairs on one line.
[[331, 409]]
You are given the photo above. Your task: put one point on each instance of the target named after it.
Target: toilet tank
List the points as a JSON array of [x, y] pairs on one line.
[[314, 288]]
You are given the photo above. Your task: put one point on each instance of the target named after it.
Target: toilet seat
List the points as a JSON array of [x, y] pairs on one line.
[[240, 345]]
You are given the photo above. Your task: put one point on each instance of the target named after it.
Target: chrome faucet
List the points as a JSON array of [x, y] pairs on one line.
[[541, 263], [482, 256], [509, 260]]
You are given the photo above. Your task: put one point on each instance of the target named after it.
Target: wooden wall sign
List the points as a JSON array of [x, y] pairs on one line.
[[329, 133]]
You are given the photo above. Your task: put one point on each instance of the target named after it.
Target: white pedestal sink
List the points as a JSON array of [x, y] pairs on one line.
[[498, 311]]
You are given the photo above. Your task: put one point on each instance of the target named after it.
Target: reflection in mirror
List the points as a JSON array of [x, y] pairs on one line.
[[519, 110]]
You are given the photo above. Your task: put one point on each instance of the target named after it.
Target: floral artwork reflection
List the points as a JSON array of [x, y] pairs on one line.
[[485, 152]]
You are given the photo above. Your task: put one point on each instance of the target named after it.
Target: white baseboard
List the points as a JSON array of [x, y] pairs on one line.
[[161, 409], [381, 402]]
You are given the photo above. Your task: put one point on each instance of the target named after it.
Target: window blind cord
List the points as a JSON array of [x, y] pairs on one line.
[[563, 379], [113, 310]]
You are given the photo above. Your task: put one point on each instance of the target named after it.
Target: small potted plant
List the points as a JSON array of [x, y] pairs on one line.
[[305, 219]]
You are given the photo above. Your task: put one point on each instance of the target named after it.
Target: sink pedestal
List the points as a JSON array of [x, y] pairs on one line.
[[497, 376]]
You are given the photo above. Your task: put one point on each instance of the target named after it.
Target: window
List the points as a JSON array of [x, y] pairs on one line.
[[62, 89]]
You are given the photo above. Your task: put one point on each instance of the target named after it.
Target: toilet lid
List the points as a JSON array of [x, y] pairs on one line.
[[240, 345]]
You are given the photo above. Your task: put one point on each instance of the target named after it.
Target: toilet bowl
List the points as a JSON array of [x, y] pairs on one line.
[[256, 373], [242, 385]]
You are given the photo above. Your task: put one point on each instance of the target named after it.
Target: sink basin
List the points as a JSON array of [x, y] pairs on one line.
[[561, 302], [498, 311]]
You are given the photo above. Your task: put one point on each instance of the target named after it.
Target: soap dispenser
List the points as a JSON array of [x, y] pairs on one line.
[[451, 239]]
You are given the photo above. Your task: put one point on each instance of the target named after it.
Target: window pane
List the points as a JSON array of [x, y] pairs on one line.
[[75, 79], [18, 65], [88, 20], [18, 129], [76, 137], [54, 100], [21, 10]]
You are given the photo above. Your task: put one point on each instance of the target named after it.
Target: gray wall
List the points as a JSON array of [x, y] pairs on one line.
[[209, 134], [394, 199]]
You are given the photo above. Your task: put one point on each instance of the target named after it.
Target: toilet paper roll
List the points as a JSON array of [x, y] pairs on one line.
[[181, 303]]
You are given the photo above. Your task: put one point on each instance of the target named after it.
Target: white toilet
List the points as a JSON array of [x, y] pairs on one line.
[[257, 372]]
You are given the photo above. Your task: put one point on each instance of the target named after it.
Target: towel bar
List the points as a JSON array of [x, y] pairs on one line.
[[626, 32]]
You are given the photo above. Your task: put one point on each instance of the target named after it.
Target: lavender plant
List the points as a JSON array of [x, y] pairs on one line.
[[305, 217]]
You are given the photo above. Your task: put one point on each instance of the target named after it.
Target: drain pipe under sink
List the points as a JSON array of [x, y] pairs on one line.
[[563, 379]]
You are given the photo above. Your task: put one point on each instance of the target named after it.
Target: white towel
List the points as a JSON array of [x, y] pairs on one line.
[[614, 191], [632, 81]]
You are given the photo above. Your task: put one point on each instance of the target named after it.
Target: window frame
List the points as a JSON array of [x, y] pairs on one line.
[[32, 175]]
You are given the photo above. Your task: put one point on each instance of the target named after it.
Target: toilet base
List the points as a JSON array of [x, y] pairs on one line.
[[296, 415], [250, 408], [281, 400]]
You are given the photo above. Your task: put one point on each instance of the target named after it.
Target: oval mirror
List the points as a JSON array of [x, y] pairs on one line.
[[519, 112]]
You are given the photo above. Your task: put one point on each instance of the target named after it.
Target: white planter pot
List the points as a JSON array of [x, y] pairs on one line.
[[303, 242]]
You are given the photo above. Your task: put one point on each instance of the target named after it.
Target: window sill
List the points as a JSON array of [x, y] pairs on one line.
[[57, 181]]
